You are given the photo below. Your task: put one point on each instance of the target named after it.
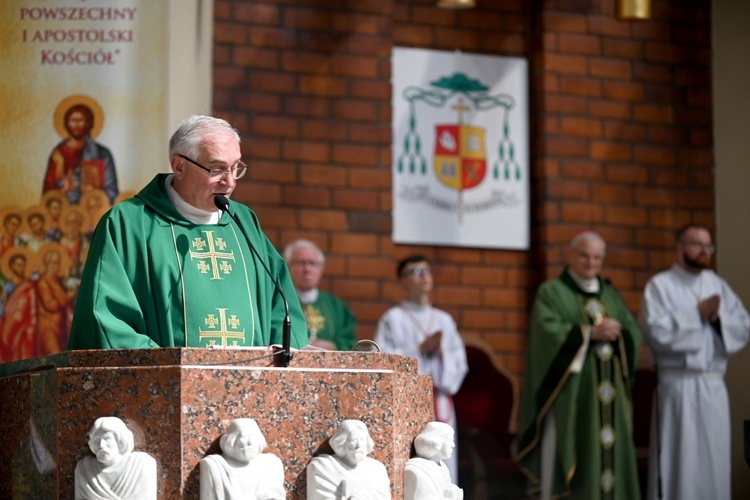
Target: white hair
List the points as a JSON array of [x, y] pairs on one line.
[[292, 247]]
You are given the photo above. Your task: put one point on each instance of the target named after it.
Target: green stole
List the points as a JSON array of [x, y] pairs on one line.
[[217, 289]]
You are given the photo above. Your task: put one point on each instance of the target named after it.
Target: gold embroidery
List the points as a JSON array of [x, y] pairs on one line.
[[223, 332], [596, 309], [212, 255], [316, 322]]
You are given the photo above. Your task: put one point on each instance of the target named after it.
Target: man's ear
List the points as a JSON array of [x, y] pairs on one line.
[[178, 166]]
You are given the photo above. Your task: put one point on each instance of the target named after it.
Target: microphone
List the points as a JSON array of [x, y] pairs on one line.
[[222, 203]]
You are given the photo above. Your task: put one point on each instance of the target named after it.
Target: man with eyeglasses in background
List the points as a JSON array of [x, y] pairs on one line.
[[330, 323], [417, 329], [692, 322], [167, 268]]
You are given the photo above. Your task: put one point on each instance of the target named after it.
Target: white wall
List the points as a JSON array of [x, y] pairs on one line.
[[731, 92]]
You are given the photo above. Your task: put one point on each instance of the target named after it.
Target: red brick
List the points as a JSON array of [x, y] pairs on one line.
[[324, 130], [375, 134], [618, 47], [323, 220], [655, 238], [305, 62], [665, 53], [579, 44], [563, 63], [360, 199], [299, 196], [610, 68], [583, 213], [227, 77], [625, 91], [368, 45], [322, 175], [695, 199], [579, 85], [566, 190], [275, 126], [663, 135], [348, 289], [306, 106], [482, 276], [231, 33], [419, 36], [653, 113], [610, 151], [355, 23], [581, 127], [566, 147], [274, 217], [668, 177], [355, 111], [612, 193], [480, 20], [272, 38], [631, 174], [369, 178], [670, 218], [589, 170], [446, 38], [273, 171], [355, 244], [457, 295], [608, 25], [259, 102], [369, 89], [322, 86], [306, 19], [503, 298], [256, 13], [652, 155], [259, 192], [363, 67], [626, 216], [433, 15], [280, 83], [261, 147], [610, 109], [487, 320], [497, 43], [354, 155], [619, 131], [557, 103], [255, 58], [648, 72], [313, 151], [563, 22]]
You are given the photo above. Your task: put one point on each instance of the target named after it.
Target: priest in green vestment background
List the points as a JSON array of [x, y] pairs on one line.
[[168, 269], [330, 322], [576, 437]]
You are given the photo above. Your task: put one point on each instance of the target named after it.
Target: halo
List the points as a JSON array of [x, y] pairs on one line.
[[64, 217], [12, 252], [102, 205], [72, 100], [33, 209], [38, 258], [53, 194], [6, 211]]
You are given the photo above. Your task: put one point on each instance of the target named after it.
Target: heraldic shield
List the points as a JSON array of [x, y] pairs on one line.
[[460, 160]]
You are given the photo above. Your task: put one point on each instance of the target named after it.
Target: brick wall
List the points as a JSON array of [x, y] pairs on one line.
[[621, 140]]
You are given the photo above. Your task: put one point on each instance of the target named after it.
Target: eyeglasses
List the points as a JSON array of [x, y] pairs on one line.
[[703, 246], [215, 173], [302, 263], [418, 272]]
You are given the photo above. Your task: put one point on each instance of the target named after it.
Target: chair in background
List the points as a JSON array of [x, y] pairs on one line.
[[487, 414]]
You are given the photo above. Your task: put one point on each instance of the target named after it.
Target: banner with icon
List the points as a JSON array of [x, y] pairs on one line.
[[460, 149], [84, 89]]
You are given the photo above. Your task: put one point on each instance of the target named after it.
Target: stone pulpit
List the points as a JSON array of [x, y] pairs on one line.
[[178, 402]]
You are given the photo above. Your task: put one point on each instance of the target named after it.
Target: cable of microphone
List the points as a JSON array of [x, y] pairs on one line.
[[222, 203]]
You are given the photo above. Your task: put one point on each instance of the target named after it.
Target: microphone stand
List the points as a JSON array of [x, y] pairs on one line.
[[285, 355]]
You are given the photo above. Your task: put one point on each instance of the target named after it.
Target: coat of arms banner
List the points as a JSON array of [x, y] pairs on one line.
[[460, 149]]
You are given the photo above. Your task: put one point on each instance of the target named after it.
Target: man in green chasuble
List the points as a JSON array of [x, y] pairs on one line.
[[330, 322], [168, 269], [576, 438]]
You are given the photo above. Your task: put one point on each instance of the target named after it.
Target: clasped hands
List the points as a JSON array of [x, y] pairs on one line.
[[608, 330], [709, 308]]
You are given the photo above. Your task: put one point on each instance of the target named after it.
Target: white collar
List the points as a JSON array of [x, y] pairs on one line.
[[589, 285], [308, 297], [191, 213]]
